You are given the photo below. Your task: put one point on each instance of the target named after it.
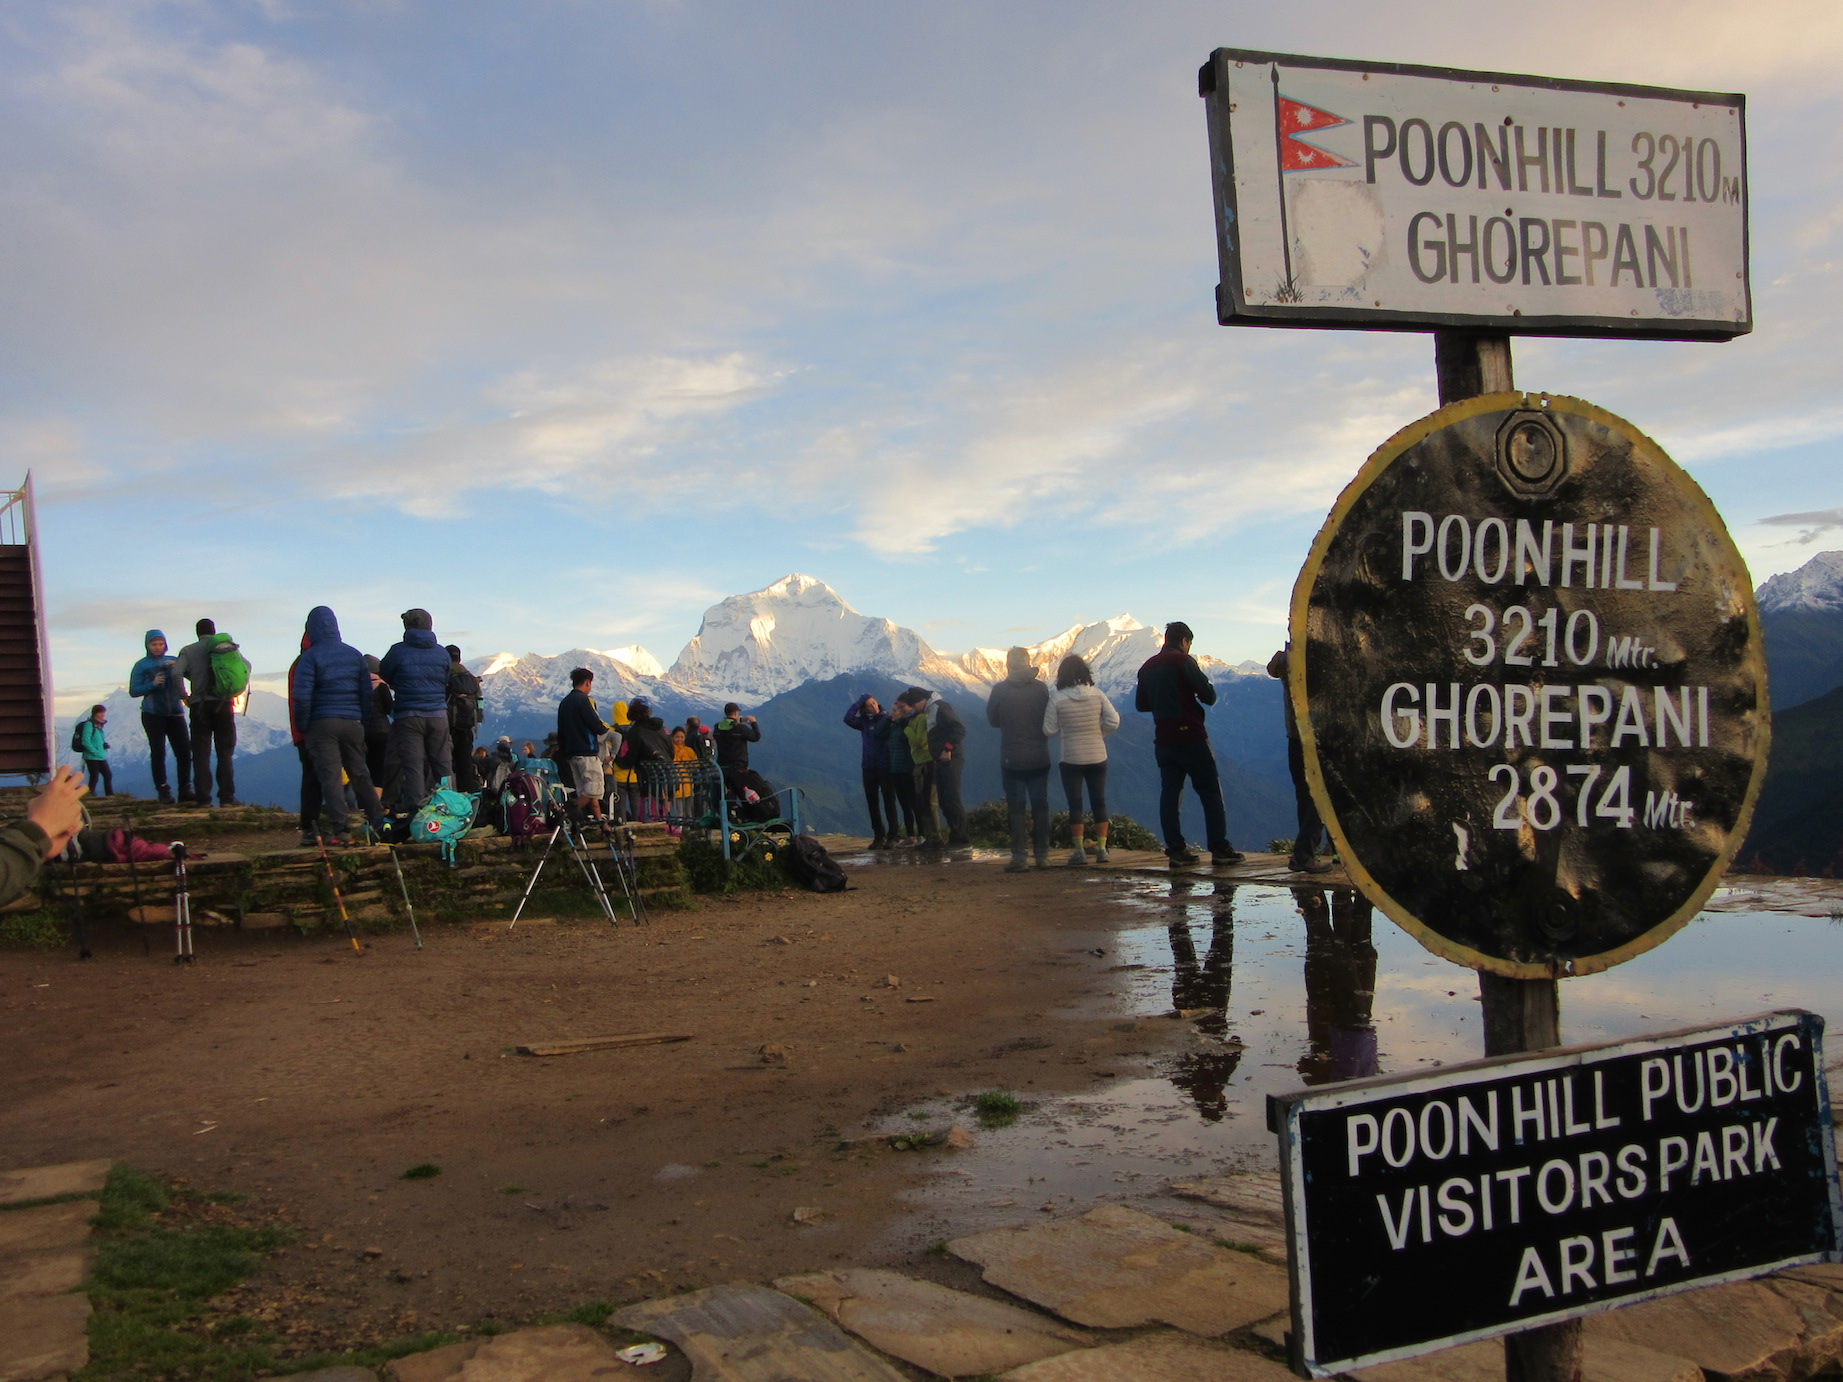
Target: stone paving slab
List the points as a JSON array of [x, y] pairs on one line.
[[43, 1337], [1116, 1268], [552, 1353], [1253, 1196], [946, 1332], [1829, 1275], [42, 1182], [1744, 1330], [747, 1333], [437, 1365], [1156, 1358], [47, 1273], [1602, 1360], [48, 1226]]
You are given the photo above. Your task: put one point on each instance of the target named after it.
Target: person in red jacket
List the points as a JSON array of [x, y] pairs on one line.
[[1174, 690]]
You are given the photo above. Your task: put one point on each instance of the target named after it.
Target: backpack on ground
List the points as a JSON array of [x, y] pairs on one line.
[[444, 819], [813, 868], [523, 803], [230, 672]]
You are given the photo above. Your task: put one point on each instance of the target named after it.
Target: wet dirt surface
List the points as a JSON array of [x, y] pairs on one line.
[[1142, 1019]]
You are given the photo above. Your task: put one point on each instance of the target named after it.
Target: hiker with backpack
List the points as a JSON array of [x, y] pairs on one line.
[[163, 716], [216, 676], [465, 711], [332, 697], [417, 671], [87, 740]]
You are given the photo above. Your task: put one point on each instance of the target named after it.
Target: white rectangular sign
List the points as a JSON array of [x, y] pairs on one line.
[[1401, 198]]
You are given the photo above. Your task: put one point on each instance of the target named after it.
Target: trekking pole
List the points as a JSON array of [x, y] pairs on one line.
[[140, 909], [333, 882], [74, 908], [542, 860], [182, 907], [628, 871], [404, 888]]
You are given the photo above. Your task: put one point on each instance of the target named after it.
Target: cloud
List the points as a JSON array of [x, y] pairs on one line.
[[1811, 526]]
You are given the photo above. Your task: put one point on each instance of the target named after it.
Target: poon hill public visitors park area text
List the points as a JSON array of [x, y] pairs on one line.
[[1362, 901]]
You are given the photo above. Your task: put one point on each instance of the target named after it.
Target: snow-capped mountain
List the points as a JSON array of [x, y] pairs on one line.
[[1818, 584], [263, 726], [799, 629], [750, 648]]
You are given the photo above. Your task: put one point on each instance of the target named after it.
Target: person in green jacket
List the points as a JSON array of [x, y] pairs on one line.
[[96, 749], [911, 722], [53, 818]]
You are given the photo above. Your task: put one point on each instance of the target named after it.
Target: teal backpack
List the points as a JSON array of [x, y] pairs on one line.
[[444, 819]]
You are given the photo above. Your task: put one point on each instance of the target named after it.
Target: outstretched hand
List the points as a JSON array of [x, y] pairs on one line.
[[57, 809]]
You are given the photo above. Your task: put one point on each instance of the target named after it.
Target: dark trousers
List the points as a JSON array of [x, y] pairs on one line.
[[1092, 775], [1031, 783], [380, 763], [466, 777], [421, 742], [310, 791], [335, 747], [921, 786], [1305, 843], [902, 783], [880, 797], [1194, 761], [162, 730], [100, 771], [947, 792], [214, 727]]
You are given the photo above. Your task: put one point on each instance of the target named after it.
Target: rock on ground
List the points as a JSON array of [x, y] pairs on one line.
[[747, 1333]]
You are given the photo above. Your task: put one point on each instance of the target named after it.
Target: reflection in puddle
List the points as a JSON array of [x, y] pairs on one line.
[[1288, 986]]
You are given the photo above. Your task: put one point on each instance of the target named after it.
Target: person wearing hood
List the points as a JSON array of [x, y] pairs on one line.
[[214, 714], [333, 700], [163, 715], [1083, 716], [417, 670], [899, 763], [1015, 709], [866, 716], [297, 734], [465, 710]]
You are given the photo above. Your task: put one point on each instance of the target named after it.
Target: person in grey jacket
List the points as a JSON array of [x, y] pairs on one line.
[[1081, 713], [1016, 708]]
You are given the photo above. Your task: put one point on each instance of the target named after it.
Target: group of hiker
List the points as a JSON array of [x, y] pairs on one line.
[[914, 755]]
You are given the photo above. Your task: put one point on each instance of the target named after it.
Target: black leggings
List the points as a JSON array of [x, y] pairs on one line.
[[99, 770], [1095, 776], [880, 797], [903, 783]]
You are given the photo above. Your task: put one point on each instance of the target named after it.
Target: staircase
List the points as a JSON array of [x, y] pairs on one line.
[[25, 712]]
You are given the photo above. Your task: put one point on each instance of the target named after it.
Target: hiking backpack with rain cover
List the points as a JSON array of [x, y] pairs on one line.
[[523, 804]]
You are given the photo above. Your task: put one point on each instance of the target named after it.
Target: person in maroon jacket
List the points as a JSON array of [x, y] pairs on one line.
[[1173, 689]]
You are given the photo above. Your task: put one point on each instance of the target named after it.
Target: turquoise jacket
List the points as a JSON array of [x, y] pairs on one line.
[[95, 748]]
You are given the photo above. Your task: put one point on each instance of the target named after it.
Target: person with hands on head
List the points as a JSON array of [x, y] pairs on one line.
[[866, 716], [52, 821]]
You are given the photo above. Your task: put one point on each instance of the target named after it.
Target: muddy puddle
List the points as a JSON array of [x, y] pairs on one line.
[[1283, 987]]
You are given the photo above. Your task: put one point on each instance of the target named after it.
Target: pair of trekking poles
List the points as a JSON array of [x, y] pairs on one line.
[[182, 898], [574, 832]]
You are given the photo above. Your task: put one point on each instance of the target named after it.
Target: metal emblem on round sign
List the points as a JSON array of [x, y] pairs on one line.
[[1530, 684]]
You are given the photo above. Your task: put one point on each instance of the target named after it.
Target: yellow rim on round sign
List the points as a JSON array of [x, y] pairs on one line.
[[1378, 462]]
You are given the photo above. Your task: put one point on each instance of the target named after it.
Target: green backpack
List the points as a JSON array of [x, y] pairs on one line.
[[230, 672]]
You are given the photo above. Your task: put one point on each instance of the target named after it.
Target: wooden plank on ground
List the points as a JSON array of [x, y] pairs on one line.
[[570, 1048]]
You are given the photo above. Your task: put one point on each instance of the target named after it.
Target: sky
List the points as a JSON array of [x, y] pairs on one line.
[[566, 319]]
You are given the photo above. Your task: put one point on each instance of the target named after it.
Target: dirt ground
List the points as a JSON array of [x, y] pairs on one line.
[[311, 1078]]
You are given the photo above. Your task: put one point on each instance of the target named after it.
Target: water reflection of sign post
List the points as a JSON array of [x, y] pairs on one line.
[[1530, 686], [1540, 1187]]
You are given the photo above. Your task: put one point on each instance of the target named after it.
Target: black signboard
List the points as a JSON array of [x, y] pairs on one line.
[[1530, 684], [1439, 1208]]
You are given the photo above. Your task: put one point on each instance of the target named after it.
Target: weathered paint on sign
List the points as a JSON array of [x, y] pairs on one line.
[[1438, 1208], [1530, 686], [1396, 197]]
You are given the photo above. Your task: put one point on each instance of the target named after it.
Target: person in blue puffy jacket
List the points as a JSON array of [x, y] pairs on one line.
[[163, 715], [332, 703], [417, 672]]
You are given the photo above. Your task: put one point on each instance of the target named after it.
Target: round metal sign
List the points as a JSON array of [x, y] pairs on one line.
[[1532, 693]]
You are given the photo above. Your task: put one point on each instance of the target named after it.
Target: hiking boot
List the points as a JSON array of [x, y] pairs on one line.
[[1226, 856], [1309, 864], [1100, 854], [166, 797], [1017, 865], [1078, 858], [1042, 861], [309, 841], [230, 801], [1181, 855], [879, 843]]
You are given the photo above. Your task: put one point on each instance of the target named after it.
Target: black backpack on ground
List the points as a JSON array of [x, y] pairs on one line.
[[813, 868]]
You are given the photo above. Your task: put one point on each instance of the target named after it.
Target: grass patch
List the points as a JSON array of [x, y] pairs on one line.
[[43, 929], [997, 1108], [594, 1314], [423, 1170]]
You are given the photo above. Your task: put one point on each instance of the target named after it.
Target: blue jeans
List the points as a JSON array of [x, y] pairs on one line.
[[1034, 784], [1194, 761]]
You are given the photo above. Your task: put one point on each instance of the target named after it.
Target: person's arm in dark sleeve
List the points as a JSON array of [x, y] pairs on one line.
[[854, 717], [1141, 700], [22, 852], [306, 675], [141, 680], [752, 732], [992, 704], [1201, 684]]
